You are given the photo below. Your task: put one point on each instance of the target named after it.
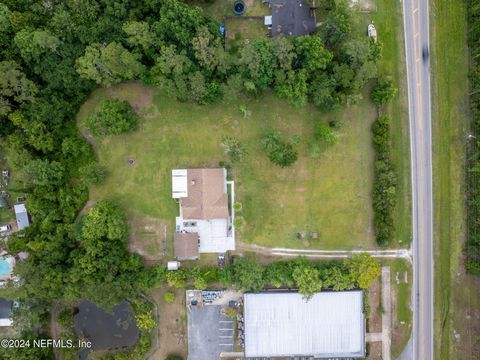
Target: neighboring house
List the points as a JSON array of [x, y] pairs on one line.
[[290, 17], [22, 216], [330, 324], [206, 219], [6, 312]]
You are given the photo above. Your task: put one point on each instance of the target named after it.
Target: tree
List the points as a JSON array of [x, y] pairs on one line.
[[338, 278], [364, 269], [323, 92], [312, 55], [233, 148], [34, 44], [338, 26], [256, 65], [15, 88], [113, 118], [139, 33], [145, 321], [109, 64], [293, 87], [325, 135], [28, 352], [248, 274], [173, 357], [206, 48], [307, 279], [45, 173], [279, 274], [92, 173], [279, 152], [177, 278], [383, 92]]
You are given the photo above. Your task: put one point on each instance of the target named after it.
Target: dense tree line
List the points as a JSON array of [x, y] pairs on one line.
[[385, 182], [247, 274], [472, 248]]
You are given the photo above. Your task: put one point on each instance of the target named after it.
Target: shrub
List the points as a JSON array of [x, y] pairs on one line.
[[169, 297], [385, 181], [92, 173], [325, 135], [114, 117], [239, 222], [237, 206], [280, 153], [173, 357], [383, 92], [233, 148]]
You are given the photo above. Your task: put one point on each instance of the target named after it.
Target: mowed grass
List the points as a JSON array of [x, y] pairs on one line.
[[329, 194], [450, 121], [389, 24]]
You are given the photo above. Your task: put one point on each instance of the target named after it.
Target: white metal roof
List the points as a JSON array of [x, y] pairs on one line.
[[22, 216], [179, 183], [267, 20], [330, 324]]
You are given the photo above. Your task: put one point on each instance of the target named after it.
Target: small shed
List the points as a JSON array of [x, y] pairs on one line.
[[6, 312], [22, 216], [186, 245], [173, 265]]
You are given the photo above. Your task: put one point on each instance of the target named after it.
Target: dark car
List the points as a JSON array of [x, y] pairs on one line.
[[425, 54]]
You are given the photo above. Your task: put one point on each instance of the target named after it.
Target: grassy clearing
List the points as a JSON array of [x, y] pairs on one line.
[[401, 281], [240, 31], [220, 8], [450, 88], [329, 194], [389, 24]]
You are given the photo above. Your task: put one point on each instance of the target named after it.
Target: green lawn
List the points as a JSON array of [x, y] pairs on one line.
[[450, 109], [220, 8], [401, 311], [389, 24], [329, 194]]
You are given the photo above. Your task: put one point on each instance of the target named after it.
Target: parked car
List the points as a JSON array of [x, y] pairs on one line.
[[5, 228]]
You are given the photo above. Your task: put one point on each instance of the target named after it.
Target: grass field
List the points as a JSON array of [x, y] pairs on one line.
[[329, 194], [220, 8], [389, 25], [457, 296]]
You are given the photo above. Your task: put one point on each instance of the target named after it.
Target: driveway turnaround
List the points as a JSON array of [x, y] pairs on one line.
[[209, 332]]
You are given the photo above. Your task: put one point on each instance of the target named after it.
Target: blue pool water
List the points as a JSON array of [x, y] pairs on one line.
[[4, 267]]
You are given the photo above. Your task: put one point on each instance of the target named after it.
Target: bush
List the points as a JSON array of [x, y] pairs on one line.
[[385, 182], [92, 173], [114, 117], [169, 297], [239, 222], [383, 92], [237, 206], [233, 148], [325, 135], [279, 152], [174, 357]]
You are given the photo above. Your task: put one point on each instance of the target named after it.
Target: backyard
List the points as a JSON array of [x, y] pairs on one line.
[[329, 194]]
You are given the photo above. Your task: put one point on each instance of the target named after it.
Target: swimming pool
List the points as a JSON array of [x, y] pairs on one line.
[[4, 267]]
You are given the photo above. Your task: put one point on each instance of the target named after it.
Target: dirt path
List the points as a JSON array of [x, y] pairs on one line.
[[387, 313], [86, 134], [324, 254], [54, 329]]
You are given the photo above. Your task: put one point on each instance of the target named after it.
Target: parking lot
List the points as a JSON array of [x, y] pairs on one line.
[[209, 332]]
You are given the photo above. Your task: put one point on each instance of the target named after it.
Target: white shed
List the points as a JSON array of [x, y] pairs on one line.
[[173, 265], [179, 183]]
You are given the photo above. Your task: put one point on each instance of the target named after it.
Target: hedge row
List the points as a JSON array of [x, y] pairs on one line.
[[385, 182], [472, 248]]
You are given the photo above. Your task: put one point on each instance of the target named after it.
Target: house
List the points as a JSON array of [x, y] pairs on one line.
[[206, 218], [330, 324], [22, 216], [6, 307], [290, 17]]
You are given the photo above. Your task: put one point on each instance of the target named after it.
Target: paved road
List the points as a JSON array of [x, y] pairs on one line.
[[416, 28]]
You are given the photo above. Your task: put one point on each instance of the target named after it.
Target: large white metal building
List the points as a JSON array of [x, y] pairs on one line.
[[284, 324]]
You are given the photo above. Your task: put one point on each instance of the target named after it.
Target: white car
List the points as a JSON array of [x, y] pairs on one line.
[[5, 228]]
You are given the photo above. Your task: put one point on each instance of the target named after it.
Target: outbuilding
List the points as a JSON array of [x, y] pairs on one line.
[[22, 216], [330, 324]]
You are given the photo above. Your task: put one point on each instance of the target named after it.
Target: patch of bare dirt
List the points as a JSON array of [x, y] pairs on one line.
[[375, 351], [139, 95], [375, 318], [149, 238], [172, 324], [86, 134]]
